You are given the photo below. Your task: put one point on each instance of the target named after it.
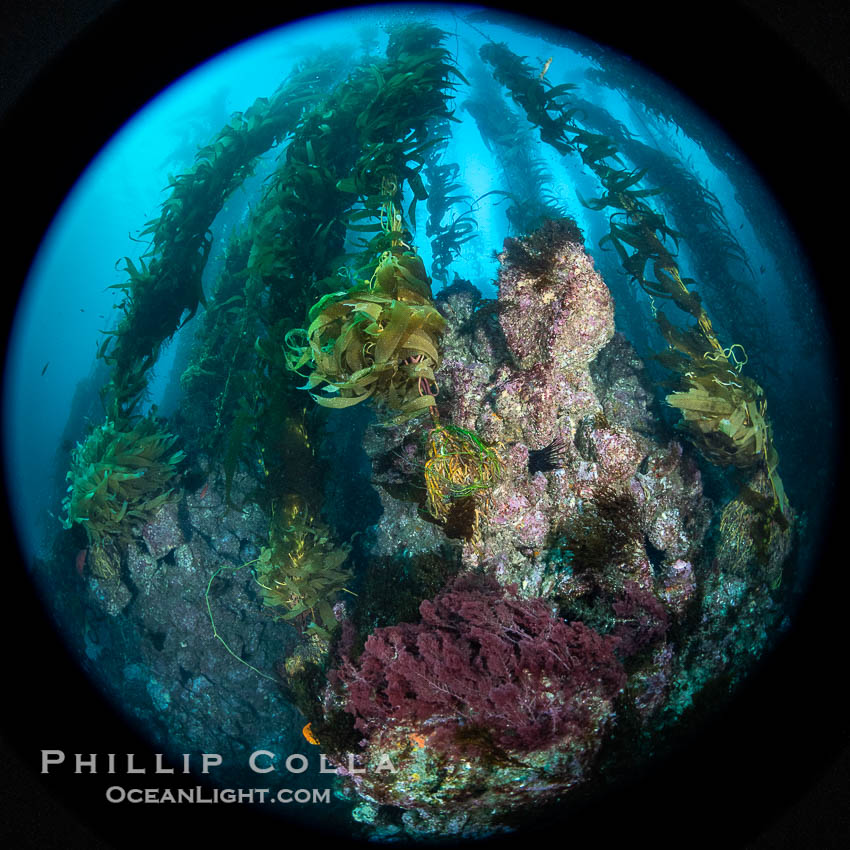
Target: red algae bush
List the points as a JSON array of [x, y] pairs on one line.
[[482, 661]]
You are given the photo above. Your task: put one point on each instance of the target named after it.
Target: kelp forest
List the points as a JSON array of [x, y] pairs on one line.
[[499, 534]]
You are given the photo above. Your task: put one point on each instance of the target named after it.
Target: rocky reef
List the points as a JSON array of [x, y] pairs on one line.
[[594, 583], [546, 632]]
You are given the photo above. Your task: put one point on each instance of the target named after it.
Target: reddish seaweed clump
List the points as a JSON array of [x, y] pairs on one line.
[[482, 660]]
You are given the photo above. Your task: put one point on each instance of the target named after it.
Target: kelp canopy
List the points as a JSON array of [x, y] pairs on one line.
[[322, 194]]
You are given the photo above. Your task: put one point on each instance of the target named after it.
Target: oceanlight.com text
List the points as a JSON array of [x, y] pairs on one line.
[[199, 794]]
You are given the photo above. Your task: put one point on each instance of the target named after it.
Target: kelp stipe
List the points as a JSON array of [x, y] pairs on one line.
[[725, 418]]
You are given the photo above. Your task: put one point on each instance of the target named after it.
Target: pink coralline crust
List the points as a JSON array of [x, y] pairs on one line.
[[556, 315], [565, 316], [527, 523], [553, 324], [676, 514], [667, 532], [498, 567], [516, 456], [585, 478], [624, 389], [579, 390], [664, 460], [163, 535], [617, 452], [537, 404], [465, 384], [519, 509]]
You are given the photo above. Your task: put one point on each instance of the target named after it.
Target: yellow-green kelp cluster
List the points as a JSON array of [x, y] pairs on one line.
[[379, 340], [119, 478], [301, 571]]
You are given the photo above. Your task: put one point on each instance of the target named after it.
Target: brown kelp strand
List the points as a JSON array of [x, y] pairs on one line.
[[724, 416], [164, 287], [524, 178], [323, 194]]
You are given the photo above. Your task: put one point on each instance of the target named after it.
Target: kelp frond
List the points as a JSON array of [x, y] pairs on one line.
[[301, 570], [119, 478], [724, 412], [379, 340]]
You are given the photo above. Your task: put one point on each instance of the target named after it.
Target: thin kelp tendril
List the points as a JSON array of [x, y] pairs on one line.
[[459, 465], [216, 633]]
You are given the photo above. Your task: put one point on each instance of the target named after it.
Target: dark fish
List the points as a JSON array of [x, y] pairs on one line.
[[45, 367], [761, 269]]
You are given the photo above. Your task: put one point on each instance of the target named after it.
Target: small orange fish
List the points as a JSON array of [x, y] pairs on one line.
[[545, 67], [418, 739], [307, 732], [204, 492]]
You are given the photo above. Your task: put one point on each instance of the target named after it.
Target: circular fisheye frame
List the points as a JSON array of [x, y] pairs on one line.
[[421, 423]]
